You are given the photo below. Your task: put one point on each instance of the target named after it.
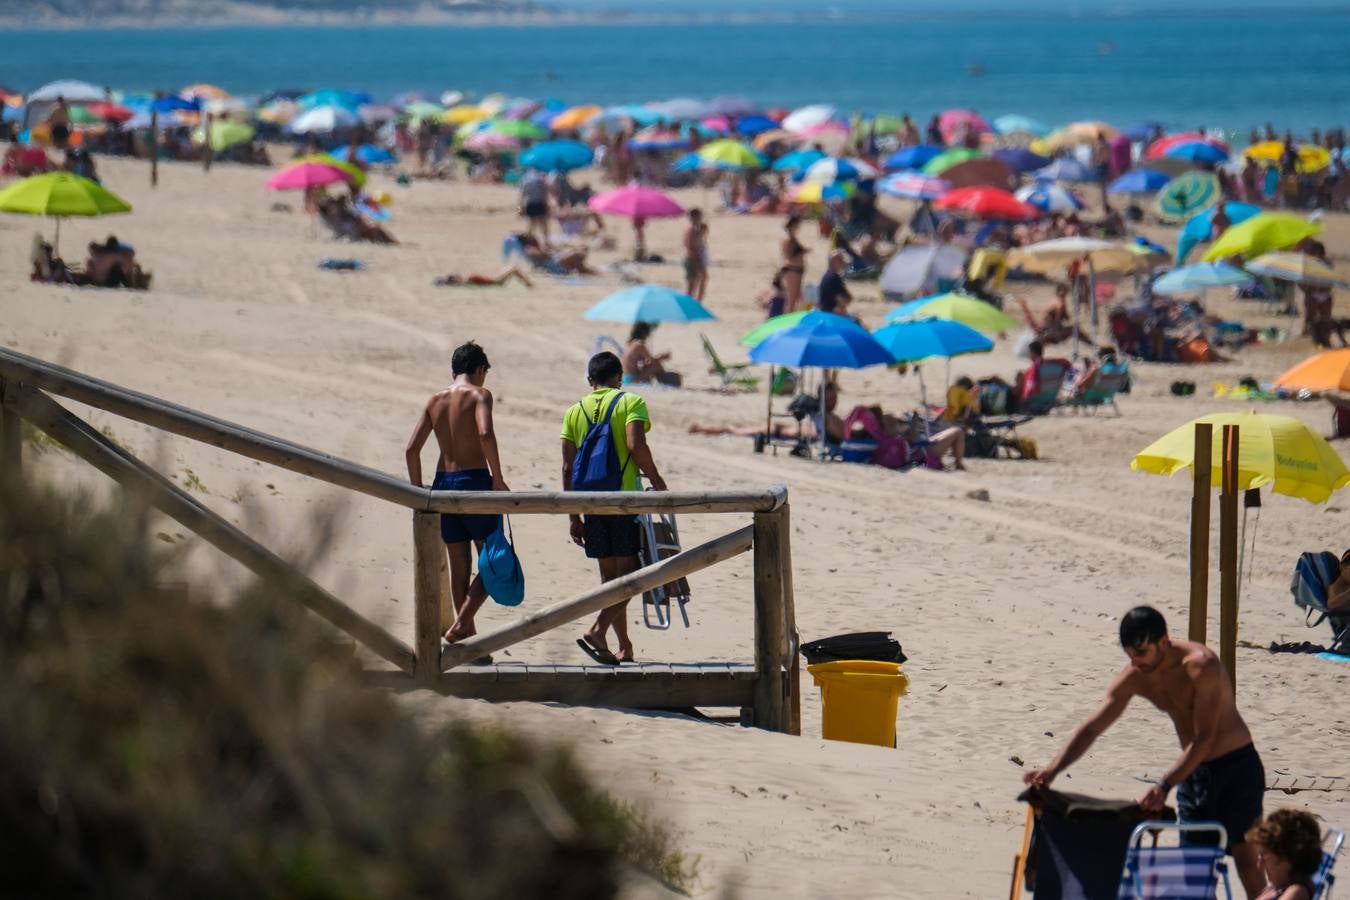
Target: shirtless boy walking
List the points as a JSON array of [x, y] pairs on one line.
[[1219, 776], [461, 418]]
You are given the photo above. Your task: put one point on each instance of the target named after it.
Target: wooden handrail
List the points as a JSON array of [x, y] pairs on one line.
[[189, 423]]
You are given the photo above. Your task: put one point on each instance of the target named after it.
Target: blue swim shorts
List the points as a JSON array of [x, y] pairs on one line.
[[456, 528]]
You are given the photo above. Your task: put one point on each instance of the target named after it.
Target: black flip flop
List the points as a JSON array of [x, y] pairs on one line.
[[603, 657]]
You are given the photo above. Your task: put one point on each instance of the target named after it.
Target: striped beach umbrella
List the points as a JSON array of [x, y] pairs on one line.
[[913, 186], [1199, 277], [1049, 197], [830, 170], [1300, 268], [1186, 195], [948, 158]]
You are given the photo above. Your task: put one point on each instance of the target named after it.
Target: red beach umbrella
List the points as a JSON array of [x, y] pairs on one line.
[[110, 112], [1163, 144], [987, 203]]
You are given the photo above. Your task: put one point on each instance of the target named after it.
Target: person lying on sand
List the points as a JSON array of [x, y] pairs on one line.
[[938, 444], [805, 427], [561, 261], [340, 216], [499, 280]]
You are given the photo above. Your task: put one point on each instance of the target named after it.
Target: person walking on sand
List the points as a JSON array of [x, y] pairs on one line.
[[696, 255], [461, 418], [1219, 776], [793, 269], [612, 541]]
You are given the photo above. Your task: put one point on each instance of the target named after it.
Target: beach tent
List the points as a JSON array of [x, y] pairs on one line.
[[1199, 226], [1329, 371], [921, 270], [224, 135], [72, 91]]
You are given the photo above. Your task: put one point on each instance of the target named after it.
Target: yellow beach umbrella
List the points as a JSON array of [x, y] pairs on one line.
[[463, 115], [1279, 451], [574, 118], [204, 92], [1261, 233], [1311, 158]]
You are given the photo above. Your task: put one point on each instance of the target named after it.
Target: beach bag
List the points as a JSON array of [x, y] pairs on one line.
[[499, 567], [1313, 575], [596, 466]]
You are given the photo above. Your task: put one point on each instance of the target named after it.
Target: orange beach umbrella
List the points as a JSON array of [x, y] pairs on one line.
[[1329, 371]]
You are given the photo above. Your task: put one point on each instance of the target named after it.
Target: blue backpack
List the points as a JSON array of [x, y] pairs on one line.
[[596, 466], [499, 567]]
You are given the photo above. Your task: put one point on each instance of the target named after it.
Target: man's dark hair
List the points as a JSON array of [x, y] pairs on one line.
[[965, 382], [1036, 348], [695, 213], [640, 332], [468, 358], [604, 368], [1141, 625]]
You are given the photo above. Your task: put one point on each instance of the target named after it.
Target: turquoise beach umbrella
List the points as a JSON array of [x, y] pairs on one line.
[[1198, 227], [1195, 278], [919, 339], [648, 303], [1186, 195]]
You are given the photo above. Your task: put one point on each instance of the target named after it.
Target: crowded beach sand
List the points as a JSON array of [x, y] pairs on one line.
[[1004, 583]]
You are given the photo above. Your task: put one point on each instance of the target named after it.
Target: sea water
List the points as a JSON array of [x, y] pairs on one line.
[[1229, 70]]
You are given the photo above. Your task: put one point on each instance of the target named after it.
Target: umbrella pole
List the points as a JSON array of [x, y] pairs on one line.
[[823, 414], [56, 242], [923, 401], [768, 413], [1092, 297]]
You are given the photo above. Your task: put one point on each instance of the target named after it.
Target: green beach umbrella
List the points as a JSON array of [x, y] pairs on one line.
[[421, 109], [1260, 234], [955, 307], [80, 115], [358, 175], [60, 194], [948, 158], [1186, 195], [224, 134], [772, 326], [521, 129], [729, 154]]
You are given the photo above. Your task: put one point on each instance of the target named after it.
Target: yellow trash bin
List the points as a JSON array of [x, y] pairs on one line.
[[859, 699]]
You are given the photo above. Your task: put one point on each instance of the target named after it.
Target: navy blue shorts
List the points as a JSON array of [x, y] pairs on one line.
[[456, 528], [1228, 790], [610, 536]]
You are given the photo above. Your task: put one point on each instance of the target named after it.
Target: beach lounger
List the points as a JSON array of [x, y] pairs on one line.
[[1187, 871], [734, 375], [994, 438], [661, 540], [1110, 380]]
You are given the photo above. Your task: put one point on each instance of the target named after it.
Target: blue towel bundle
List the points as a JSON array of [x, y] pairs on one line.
[[341, 265]]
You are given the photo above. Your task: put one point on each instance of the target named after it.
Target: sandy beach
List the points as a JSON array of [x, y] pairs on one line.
[[1006, 606]]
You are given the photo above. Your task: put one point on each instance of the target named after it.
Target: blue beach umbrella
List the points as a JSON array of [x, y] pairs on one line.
[[1049, 197], [1020, 125], [648, 303], [1141, 131], [911, 157], [334, 97], [797, 160], [919, 339], [822, 340], [557, 156], [753, 125], [1139, 181], [1197, 229], [1020, 159], [369, 154], [1198, 277], [689, 162], [913, 186], [1065, 168], [1197, 151], [174, 104]]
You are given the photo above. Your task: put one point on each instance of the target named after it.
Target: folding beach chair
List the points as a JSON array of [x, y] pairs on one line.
[[1313, 576], [1325, 879], [661, 540], [734, 375], [1188, 871], [1052, 373], [1111, 380]]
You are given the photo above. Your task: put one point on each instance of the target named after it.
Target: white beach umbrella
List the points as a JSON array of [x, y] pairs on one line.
[[1049, 197], [323, 119], [452, 98], [830, 170], [682, 109], [808, 116], [228, 106], [73, 91]]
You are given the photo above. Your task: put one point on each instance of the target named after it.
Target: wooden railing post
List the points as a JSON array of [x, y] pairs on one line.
[[1228, 554], [1202, 470], [771, 628], [11, 438], [794, 673], [431, 596]]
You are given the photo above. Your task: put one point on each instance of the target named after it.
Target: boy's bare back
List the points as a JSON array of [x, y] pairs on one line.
[[454, 415]]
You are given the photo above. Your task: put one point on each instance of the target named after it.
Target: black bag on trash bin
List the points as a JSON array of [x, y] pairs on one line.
[[877, 646]]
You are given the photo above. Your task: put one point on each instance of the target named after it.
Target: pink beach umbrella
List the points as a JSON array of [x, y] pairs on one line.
[[953, 120], [636, 201], [492, 141], [305, 175], [718, 123], [824, 129]]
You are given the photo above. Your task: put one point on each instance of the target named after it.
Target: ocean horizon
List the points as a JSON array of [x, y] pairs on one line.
[[1193, 67]]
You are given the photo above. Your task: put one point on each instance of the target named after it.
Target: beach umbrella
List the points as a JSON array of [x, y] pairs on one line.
[[323, 119], [822, 340], [981, 171], [1279, 451], [1162, 144], [80, 115], [1199, 227], [1049, 197], [797, 160], [1168, 165], [913, 340], [301, 176], [830, 170], [648, 303], [72, 91], [1020, 125], [1103, 256], [1261, 233], [1065, 168], [59, 195], [278, 112], [915, 157], [463, 115], [717, 124], [734, 106], [808, 117], [355, 174], [1141, 131], [987, 203], [1197, 151], [523, 130], [753, 125], [224, 134], [953, 121], [1329, 371], [110, 112], [557, 156], [348, 100], [772, 326], [1076, 134], [732, 155], [1186, 195], [955, 307], [377, 113], [204, 92], [574, 118], [682, 109], [918, 270], [689, 162], [421, 109], [1300, 268], [1199, 277], [913, 186], [635, 201], [1139, 181], [817, 192], [1310, 158], [370, 154], [491, 142], [1020, 159], [639, 115], [657, 138], [494, 103], [767, 139], [948, 158]]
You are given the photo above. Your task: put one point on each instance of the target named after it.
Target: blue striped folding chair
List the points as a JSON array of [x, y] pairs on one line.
[[1325, 878], [1189, 871]]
